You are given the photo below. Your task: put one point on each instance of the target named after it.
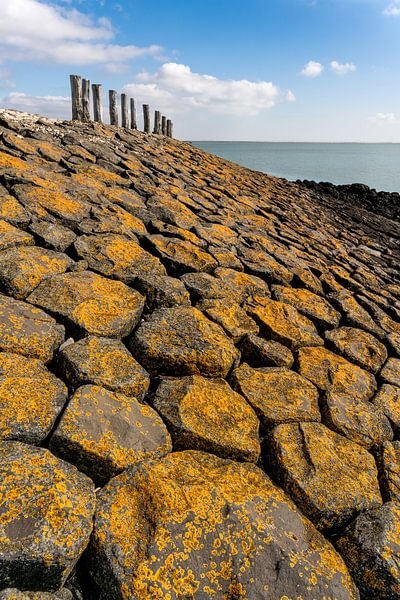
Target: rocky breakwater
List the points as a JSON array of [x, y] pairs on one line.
[[199, 377]]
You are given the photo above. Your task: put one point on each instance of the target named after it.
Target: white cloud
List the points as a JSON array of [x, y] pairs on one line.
[[175, 87], [51, 106], [36, 30], [393, 9], [312, 69], [290, 97], [342, 68], [384, 118]]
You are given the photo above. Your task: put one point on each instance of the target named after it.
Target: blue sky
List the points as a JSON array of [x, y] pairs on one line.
[[279, 70]]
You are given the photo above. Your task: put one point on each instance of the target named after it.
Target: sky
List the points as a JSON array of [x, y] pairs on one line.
[[262, 70]]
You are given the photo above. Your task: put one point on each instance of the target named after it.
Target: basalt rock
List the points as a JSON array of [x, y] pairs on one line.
[[151, 536]]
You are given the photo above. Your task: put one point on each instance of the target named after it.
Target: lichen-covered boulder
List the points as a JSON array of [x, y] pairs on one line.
[[196, 526], [203, 286], [258, 352], [105, 362], [232, 317], [241, 285], [356, 419], [206, 414], [276, 394], [162, 291], [330, 371], [329, 477], [117, 256], [309, 304], [11, 236], [283, 323], [391, 372], [354, 314], [27, 330], [52, 235], [388, 400], [24, 267], [90, 303], [46, 517], [102, 432], [371, 548], [358, 346], [30, 399], [182, 341], [181, 256]]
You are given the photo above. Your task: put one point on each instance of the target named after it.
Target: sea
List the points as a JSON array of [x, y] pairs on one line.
[[376, 165]]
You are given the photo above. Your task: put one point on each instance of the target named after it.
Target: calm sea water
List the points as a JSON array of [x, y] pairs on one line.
[[377, 165]]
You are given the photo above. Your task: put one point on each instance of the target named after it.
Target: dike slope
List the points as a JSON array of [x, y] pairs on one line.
[[199, 376]]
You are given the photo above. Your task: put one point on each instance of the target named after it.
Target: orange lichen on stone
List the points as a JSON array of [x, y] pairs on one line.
[[157, 523], [102, 432], [43, 201], [12, 236], [91, 303], [23, 268], [329, 371], [283, 323], [46, 517], [30, 399], [208, 415]]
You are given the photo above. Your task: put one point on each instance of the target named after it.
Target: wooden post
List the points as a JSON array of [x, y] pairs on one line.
[[124, 111], [85, 100], [164, 125], [96, 92], [76, 96], [157, 122], [146, 118], [112, 94], [169, 128], [133, 114]]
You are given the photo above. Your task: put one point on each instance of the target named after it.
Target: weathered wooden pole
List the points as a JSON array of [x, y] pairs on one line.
[[96, 93], [157, 122], [164, 125], [85, 100], [146, 118], [169, 128], [112, 95], [124, 111], [133, 114], [76, 97]]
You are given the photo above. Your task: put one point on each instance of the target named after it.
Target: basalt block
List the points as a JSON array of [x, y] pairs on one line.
[[329, 477], [283, 323], [181, 256], [277, 395], [22, 269], [118, 257], [11, 236], [388, 400], [241, 285], [329, 371], [309, 304], [105, 362], [91, 304], [30, 399], [206, 414], [358, 346], [391, 372], [232, 317], [46, 521], [358, 420], [102, 432], [388, 461], [258, 352], [27, 330], [156, 539], [182, 341], [371, 548]]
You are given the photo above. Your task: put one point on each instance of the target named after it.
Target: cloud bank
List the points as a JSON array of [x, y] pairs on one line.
[[175, 87], [34, 30]]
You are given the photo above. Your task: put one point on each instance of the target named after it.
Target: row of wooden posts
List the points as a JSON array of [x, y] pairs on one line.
[[80, 94]]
